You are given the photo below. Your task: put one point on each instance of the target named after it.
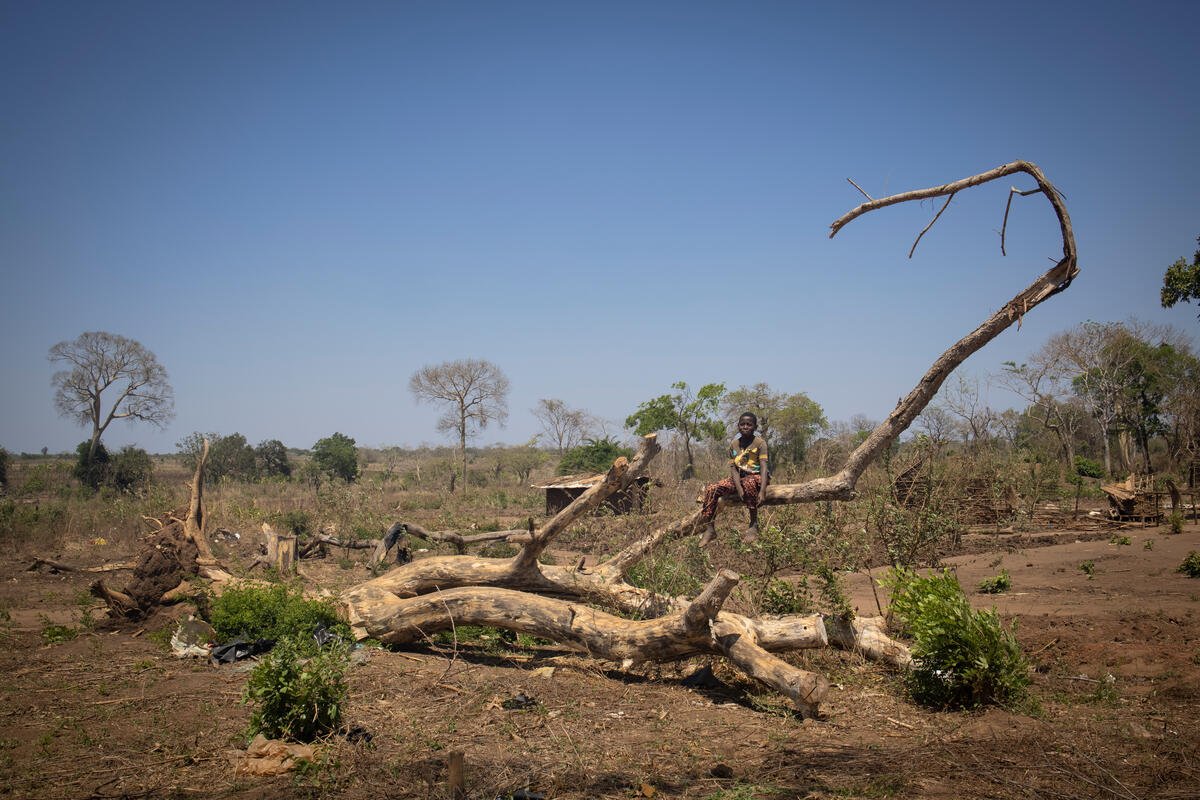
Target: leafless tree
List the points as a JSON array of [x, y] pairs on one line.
[[1045, 384], [474, 393], [937, 424], [563, 426], [100, 361], [962, 399]]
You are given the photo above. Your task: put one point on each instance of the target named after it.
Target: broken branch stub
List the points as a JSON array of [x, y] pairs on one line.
[[558, 603]]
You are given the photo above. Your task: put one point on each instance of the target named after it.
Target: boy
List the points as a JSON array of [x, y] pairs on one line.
[[749, 477]]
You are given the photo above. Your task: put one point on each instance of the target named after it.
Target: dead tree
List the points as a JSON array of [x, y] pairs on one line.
[[172, 557], [559, 603]]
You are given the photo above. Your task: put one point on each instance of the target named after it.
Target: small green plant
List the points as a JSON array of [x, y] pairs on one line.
[[1088, 568], [964, 658], [1119, 540], [84, 599], [782, 597], [1148, 545], [57, 634], [297, 699], [833, 592], [1191, 565], [298, 521], [1176, 522], [274, 612], [997, 584]]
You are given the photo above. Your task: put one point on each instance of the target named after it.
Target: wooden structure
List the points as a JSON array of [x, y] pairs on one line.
[[565, 489], [1134, 499]]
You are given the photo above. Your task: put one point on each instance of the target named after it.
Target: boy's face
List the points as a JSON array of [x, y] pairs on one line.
[[746, 426]]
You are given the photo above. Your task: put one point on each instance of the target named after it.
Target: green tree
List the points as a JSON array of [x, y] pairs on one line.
[[1146, 380], [99, 362], [693, 417], [271, 459], [788, 423], [228, 456], [231, 457], [337, 456], [1181, 282], [474, 393], [5, 460]]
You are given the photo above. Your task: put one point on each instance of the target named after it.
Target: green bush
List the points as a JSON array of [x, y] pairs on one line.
[[997, 584], [130, 471], [1176, 522], [1191, 565], [594, 455], [5, 460], [781, 597], [279, 611], [298, 521], [963, 658], [1088, 468], [91, 471], [298, 699]]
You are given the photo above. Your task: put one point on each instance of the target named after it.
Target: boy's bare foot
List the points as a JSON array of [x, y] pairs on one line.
[[751, 535], [709, 535]]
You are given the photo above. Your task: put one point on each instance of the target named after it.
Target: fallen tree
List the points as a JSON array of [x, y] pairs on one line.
[[519, 594], [175, 554]]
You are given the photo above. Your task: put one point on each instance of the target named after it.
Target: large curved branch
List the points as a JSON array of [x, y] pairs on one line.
[[1056, 279]]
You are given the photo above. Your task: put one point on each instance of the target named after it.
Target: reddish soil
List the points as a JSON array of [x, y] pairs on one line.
[[112, 714]]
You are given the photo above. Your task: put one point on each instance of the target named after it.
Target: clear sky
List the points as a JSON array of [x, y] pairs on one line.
[[297, 205]]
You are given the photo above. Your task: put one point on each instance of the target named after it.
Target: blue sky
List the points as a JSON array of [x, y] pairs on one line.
[[297, 205]]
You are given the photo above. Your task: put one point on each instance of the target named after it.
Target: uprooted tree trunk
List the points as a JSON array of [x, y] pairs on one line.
[[176, 553], [519, 594]]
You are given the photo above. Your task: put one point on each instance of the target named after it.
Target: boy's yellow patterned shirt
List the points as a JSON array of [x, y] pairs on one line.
[[748, 459]]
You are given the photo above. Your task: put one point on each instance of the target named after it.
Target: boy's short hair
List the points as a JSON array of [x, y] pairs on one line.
[[751, 415]]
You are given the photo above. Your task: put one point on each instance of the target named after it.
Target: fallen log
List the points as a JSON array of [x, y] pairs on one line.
[[58, 566], [559, 603]]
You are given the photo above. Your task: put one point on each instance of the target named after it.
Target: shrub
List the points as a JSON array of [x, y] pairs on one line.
[[997, 584], [91, 471], [1176, 522], [298, 521], [781, 597], [276, 612], [298, 699], [594, 455], [131, 470], [1088, 468], [1191, 565], [5, 459], [963, 658]]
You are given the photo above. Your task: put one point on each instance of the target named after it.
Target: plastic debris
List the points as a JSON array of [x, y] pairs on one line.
[[194, 638], [520, 700], [239, 649]]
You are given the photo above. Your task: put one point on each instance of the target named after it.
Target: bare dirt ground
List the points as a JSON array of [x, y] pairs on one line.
[[112, 714]]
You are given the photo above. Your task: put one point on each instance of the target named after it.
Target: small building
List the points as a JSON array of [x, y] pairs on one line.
[[562, 491]]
